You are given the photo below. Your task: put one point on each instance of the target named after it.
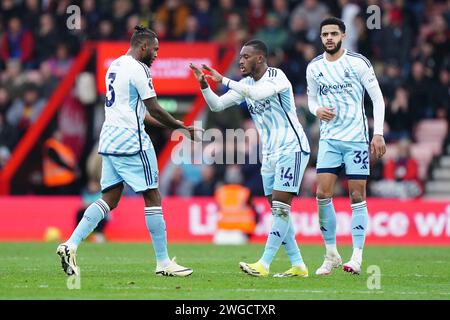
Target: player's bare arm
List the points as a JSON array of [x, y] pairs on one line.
[[149, 121], [164, 118]]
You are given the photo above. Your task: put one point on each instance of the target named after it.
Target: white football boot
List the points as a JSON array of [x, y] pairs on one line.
[[68, 257], [352, 266], [330, 262], [174, 270]]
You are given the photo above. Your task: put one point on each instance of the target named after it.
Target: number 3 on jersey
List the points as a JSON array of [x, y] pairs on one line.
[[111, 94]]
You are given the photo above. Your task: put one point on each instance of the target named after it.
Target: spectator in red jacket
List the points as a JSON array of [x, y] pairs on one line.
[[403, 167], [400, 176], [17, 43]]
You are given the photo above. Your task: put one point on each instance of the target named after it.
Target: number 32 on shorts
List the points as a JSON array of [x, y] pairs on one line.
[[360, 156]]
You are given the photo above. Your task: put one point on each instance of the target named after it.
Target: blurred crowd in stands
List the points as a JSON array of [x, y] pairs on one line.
[[409, 52]]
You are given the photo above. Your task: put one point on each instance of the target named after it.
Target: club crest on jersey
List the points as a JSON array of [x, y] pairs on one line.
[[347, 73], [259, 107]]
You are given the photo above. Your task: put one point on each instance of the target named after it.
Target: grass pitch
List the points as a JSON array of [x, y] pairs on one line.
[[126, 271]]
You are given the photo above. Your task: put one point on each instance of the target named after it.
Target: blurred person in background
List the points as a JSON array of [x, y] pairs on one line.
[[105, 30], [122, 9], [207, 184], [5, 155], [5, 100], [146, 14], [132, 21], [31, 14], [349, 13], [396, 109], [60, 170], [256, 15], [439, 38], [9, 9], [17, 43], [441, 94], [13, 79], [8, 134], [273, 34], [191, 31], [173, 13], [395, 39], [92, 15], [203, 13], [24, 112], [234, 34], [47, 38], [313, 12], [179, 184], [391, 79], [48, 82], [61, 61], [421, 89], [222, 12], [400, 175], [281, 9]]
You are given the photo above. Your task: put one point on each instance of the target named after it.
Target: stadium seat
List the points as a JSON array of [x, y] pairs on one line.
[[423, 153], [431, 130]]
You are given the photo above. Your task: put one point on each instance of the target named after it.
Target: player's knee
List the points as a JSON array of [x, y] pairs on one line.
[[323, 194], [152, 198], [112, 204], [357, 196]]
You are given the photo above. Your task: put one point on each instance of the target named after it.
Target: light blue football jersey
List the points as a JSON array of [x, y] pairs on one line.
[[275, 117], [128, 83], [341, 85]]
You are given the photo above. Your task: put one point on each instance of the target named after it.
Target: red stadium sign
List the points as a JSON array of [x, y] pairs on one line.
[[170, 71], [391, 222]]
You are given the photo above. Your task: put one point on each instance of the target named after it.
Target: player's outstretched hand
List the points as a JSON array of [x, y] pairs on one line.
[[199, 75], [195, 133], [325, 114], [214, 74], [378, 146]]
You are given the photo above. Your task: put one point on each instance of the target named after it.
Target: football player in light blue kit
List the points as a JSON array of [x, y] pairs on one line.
[[337, 80], [285, 149], [127, 151]]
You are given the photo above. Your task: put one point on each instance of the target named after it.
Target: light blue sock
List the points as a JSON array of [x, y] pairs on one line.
[[359, 224], [92, 216], [327, 220], [157, 228], [290, 245], [278, 231]]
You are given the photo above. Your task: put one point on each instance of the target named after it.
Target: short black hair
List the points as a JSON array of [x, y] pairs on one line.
[[333, 21], [141, 34], [258, 45]]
